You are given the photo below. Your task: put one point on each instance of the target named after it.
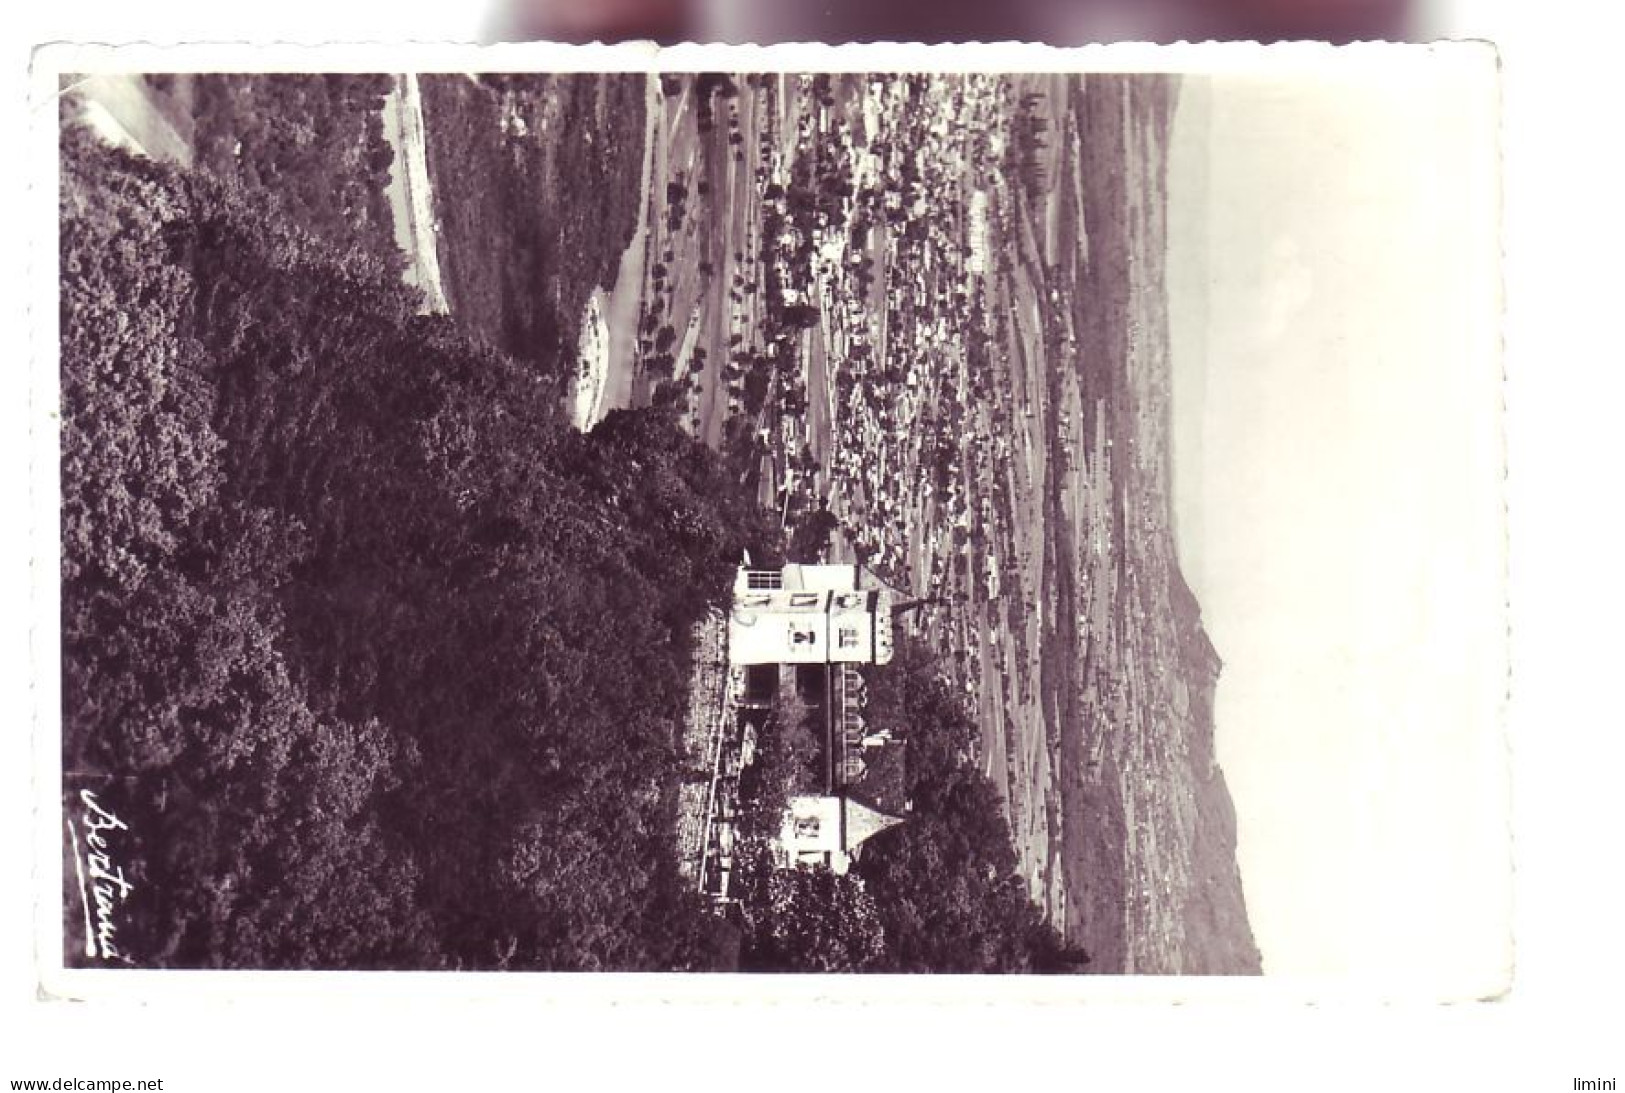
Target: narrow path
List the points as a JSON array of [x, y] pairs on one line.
[[411, 193]]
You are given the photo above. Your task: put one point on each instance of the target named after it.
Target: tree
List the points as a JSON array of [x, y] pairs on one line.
[[812, 920], [812, 534], [786, 763], [799, 316], [387, 658], [947, 884]]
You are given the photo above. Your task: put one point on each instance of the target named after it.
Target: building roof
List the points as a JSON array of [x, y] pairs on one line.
[[861, 822], [884, 785]]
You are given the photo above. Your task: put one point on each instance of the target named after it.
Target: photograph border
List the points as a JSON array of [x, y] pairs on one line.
[[50, 63]]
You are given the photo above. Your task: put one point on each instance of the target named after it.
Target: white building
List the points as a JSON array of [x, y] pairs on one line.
[[808, 614], [816, 625], [827, 830]]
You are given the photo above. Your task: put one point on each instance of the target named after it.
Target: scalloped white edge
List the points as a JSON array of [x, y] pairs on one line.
[[400, 990]]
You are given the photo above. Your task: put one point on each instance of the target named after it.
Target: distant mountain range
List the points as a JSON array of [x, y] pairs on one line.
[[1149, 829], [1218, 936]]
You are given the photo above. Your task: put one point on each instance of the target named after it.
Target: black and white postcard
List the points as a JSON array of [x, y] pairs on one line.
[[840, 510]]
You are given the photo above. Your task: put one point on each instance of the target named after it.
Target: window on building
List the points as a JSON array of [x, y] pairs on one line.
[[849, 600], [755, 601], [807, 827], [804, 599], [764, 578], [847, 638]]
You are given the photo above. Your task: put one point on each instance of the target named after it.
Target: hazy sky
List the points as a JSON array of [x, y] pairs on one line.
[[1333, 296]]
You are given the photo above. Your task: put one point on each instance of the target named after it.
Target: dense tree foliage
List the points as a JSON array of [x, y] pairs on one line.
[[786, 763], [388, 663], [809, 539], [948, 891], [809, 920], [311, 146], [533, 225]]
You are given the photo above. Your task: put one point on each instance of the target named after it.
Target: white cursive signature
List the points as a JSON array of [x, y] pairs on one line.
[[104, 884]]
